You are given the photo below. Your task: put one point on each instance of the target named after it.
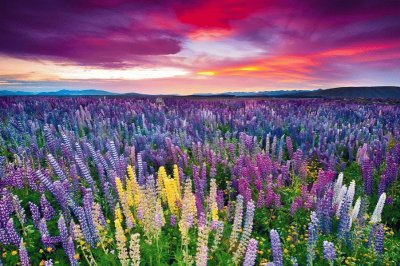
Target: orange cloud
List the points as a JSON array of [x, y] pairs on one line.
[[285, 68]]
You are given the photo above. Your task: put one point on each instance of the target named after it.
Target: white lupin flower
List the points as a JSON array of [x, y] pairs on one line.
[[338, 187], [376, 216], [341, 197], [355, 211], [351, 191]]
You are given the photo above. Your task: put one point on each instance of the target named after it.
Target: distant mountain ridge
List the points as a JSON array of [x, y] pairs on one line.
[[58, 93], [76, 93], [377, 92]]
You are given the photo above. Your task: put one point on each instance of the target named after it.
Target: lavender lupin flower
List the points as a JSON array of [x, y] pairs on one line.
[[276, 248], [329, 251], [84, 170], [172, 220], [251, 253], [13, 236], [23, 255], [46, 208], [57, 169], [35, 213], [379, 236]]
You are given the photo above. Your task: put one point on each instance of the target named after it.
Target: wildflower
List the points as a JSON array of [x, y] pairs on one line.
[[237, 222], [129, 220], [251, 253], [171, 190], [218, 235], [213, 200], [121, 243], [23, 255], [355, 211], [379, 236], [276, 248], [329, 251], [376, 215], [134, 249], [248, 227], [202, 249]]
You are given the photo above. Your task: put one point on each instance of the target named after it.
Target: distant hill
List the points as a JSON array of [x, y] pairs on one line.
[[14, 93], [77, 93], [378, 92], [250, 94], [58, 93], [381, 92]]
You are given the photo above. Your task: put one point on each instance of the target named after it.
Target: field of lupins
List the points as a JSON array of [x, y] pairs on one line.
[[176, 181]]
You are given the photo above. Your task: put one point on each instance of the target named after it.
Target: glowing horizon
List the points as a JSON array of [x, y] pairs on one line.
[[199, 46]]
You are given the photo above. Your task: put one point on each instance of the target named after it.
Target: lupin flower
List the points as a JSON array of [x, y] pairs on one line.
[[368, 176], [344, 217], [46, 208], [19, 211], [23, 255], [379, 236], [134, 249], [376, 215], [202, 248], [251, 253], [56, 167], [172, 220], [13, 236], [66, 241], [329, 251], [121, 243], [312, 237], [129, 219], [237, 223], [35, 213], [85, 171], [219, 229], [213, 200], [248, 227], [355, 211], [276, 248], [338, 188]]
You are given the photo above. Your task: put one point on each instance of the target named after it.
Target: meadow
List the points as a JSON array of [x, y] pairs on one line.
[[186, 181]]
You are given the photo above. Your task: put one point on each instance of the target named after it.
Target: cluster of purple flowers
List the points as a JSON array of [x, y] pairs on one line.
[[74, 153]]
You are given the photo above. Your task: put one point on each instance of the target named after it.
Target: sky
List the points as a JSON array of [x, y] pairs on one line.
[[186, 47]]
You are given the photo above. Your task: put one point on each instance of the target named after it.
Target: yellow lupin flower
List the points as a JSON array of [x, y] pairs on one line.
[[177, 180], [172, 188], [118, 214], [213, 200], [124, 203], [162, 174], [134, 186]]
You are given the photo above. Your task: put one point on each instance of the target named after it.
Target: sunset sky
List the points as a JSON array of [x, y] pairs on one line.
[[187, 47]]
